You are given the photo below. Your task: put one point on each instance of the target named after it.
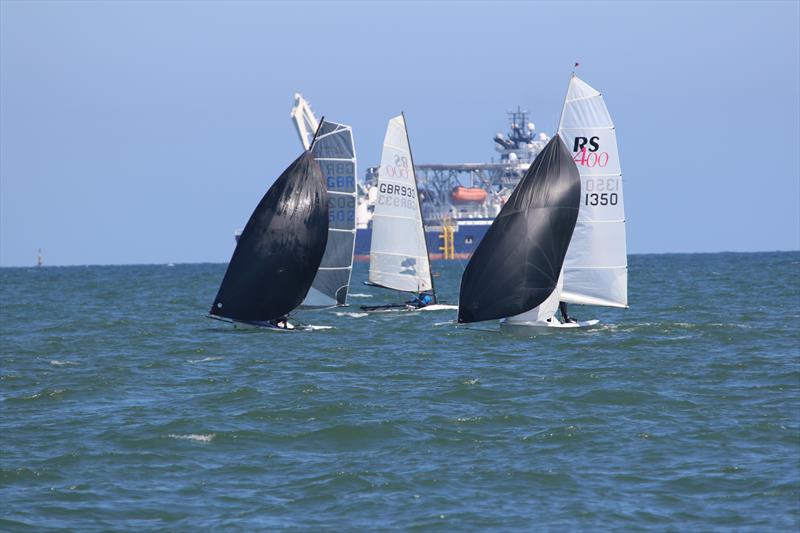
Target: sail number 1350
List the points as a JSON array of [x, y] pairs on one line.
[[601, 191]]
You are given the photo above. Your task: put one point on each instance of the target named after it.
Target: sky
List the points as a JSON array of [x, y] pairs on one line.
[[146, 132]]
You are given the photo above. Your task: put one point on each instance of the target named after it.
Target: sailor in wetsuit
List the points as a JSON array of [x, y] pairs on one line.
[[562, 306], [420, 300]]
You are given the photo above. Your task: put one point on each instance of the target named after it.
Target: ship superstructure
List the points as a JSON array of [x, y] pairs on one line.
[[459, 201]]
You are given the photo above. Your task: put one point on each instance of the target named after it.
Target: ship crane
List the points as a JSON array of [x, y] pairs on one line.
[[304, 120]]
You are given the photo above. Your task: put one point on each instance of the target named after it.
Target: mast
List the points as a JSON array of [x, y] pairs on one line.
[[316, 132], [419, 205]]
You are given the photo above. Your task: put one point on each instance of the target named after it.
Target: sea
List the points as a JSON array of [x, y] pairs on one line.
[[122, 407]]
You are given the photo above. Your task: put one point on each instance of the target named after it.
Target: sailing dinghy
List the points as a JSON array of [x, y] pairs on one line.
[[398, 258], [596, 266], [279, 251], [517, 264]]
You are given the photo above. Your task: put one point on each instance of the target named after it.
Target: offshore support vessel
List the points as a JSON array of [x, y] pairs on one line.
[[459, 201]]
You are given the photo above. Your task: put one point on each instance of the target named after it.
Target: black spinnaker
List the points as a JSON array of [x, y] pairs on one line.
[[280, 249], [517, 264]]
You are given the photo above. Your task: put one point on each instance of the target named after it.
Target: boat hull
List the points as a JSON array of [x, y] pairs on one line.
[[541, 326]]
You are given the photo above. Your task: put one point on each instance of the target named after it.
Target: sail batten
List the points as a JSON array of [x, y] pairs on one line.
[[335, 152], [595, 269], [399, 253]]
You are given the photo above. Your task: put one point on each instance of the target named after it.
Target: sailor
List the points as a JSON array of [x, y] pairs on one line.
[[282, 322], [562, 306], [420, 300]]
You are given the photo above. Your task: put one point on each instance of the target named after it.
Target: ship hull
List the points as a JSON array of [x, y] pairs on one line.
[[466, 236]]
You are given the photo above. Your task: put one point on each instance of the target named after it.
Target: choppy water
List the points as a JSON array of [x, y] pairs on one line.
[[123, 408]]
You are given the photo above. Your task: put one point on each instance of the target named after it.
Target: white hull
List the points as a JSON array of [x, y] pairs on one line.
[[265, 326], [551, 325], [437, 307]]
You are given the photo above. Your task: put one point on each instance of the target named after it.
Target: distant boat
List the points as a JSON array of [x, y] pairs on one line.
[[517, 265], [334, 151], [399, 258], [39, 258], [279, 250]]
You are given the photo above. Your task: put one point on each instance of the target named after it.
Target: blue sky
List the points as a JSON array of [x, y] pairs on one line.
[[146, 132]]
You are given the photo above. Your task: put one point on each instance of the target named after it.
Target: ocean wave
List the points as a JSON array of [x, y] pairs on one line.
[[352, 315], [56, 362], [193, 436], [359, 295], [206, 359]]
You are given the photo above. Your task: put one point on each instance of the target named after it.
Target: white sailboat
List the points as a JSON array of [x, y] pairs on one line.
[[399, 253], [595, 269]]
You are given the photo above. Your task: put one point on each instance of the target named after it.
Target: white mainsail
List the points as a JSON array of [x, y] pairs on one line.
[[596, 267], [335, 152], [398, 256]]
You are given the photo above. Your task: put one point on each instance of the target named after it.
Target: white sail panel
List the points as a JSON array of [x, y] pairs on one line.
[[543, 311], [398, 256], [335, 152], [596, 266]]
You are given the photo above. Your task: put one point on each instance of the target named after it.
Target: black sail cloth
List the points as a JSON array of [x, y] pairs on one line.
[[517, 264], [280, 248]]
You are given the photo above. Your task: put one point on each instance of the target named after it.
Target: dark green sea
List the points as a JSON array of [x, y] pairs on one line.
[[123, 408]]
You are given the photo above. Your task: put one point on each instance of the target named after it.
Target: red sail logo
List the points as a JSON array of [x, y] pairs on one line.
[[588, 156]]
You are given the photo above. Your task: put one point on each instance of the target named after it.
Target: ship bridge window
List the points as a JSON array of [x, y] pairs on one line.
[[468, 239]]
